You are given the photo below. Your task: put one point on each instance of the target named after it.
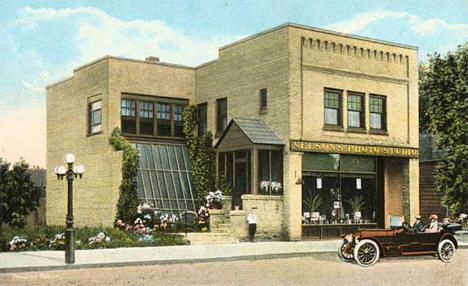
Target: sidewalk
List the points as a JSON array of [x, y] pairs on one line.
[[52, 260]]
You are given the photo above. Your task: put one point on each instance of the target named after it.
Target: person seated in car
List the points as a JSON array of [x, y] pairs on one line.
[[418, 226], [434, 226]]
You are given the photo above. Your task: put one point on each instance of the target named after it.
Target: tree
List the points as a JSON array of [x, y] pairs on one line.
[[424, 118], [18, 194], [444, 86]]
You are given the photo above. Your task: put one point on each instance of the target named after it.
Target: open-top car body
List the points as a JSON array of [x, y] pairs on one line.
[[367, 245]]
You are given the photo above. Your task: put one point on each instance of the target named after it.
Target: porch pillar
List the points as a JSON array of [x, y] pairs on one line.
[[254, 171]]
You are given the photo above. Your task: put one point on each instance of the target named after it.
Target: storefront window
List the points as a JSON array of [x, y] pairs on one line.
[[338, 189]]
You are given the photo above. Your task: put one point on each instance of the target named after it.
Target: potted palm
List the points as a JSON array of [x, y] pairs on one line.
[[313, 203], [356, 203]]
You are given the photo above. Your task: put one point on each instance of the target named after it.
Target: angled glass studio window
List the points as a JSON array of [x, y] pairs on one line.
[[377, 110], [355, 110], [128, 116], [165, 178], [164, 119], [94, 117], [332, 104], [146, 117]]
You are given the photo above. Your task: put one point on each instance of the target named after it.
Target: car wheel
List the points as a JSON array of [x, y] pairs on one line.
[[366, 252], [446, 250], [345, 251]]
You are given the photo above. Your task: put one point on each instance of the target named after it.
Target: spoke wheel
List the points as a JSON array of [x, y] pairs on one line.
[[366, 253], [446, 250], [345, 251]]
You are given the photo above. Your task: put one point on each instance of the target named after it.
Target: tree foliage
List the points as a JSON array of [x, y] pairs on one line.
[[201, 152], [18, 194], [128, 199], [444, 87]]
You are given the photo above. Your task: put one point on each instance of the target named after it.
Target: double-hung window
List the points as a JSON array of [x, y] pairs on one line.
[[128, 116], [332, 104], [146, 117], [356, 110], [94, 117], [178, 120], [377, 110], [221, 120], [202, 119], [164, 119]]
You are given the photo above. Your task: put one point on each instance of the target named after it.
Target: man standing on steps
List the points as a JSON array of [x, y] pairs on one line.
[[252, 220]]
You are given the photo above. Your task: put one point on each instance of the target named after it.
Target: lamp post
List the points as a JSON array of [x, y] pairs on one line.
[[62, 172]]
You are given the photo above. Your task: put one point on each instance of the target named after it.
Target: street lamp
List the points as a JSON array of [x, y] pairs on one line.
[[62, 172]]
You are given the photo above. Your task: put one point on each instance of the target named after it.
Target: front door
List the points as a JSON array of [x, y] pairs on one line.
[[239, 183]]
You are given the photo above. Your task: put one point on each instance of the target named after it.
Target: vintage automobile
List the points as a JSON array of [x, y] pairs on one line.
[[367, 245]]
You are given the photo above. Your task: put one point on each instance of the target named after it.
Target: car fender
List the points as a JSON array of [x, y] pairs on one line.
[[449, 236]]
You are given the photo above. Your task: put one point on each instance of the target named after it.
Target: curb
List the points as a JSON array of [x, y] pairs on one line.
[[161, 262]]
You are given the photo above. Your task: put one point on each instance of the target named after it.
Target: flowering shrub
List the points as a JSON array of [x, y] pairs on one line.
[[58, 242], [18, 242], [268, 187], [214, 200], [99, 238]]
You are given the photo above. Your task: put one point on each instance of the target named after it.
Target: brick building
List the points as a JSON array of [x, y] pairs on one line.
[[325, 114]]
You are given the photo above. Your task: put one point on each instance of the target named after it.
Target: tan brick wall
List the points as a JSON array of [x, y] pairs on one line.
[[270, 214], [95, 195]]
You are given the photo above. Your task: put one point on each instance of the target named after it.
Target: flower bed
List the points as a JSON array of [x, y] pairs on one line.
[[53, 238]]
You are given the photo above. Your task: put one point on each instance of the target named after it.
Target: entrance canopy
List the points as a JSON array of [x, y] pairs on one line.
[[248, 153]]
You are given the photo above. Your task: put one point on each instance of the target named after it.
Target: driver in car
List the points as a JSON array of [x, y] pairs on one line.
[[418, 226]]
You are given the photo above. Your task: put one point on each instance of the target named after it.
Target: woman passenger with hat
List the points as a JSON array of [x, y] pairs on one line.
[[434, 226]]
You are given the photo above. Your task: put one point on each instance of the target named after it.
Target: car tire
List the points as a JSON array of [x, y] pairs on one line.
[[346, 256], [366, 253], [446, 250]]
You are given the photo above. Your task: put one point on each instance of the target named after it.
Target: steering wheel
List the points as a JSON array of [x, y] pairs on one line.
[[406, 226]]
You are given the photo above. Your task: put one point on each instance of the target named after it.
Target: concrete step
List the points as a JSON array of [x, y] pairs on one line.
[[220, 230], [225, 225]]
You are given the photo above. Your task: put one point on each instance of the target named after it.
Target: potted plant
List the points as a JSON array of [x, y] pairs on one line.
[[313, 203], [356, 203]]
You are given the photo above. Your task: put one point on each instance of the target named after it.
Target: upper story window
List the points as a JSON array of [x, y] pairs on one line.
[[221, 116], [377, 109], [152, 117], [94, 117], [202, 118], [178, 120], [164, 119], [146, 117], [263, 99], [356, 110], [332, 104], [128, 116]]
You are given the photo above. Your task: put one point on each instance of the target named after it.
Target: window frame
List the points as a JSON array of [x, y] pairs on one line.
[[91, 115], [204, 123], [383, 113], [155, 100], [219, 119], [129, 117], [339, 124], [263, 99], [362, 112]]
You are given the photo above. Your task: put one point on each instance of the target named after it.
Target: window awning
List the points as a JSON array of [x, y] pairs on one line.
[[165, 177], [242, 133]]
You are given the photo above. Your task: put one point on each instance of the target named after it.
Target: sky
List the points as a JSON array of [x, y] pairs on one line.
[[42, 41]]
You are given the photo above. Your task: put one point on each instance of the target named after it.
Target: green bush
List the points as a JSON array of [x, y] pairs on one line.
[[41, 235]]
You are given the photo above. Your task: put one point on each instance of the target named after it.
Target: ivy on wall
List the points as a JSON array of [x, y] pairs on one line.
[[201, 152], [127, 203]]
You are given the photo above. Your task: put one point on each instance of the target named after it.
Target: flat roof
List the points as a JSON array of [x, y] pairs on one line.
[[310, 28]]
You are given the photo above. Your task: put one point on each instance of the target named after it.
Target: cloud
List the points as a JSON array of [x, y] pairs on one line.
[[35, 89], [416, 23], [99, 34]]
